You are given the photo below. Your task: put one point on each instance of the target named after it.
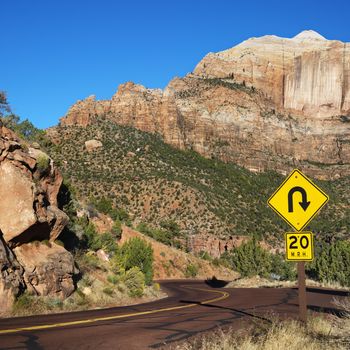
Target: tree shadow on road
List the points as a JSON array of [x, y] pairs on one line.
[[336, 293], [215, 283], [241, 312]]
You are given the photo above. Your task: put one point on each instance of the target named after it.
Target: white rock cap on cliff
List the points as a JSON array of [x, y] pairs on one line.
[[309, 35]]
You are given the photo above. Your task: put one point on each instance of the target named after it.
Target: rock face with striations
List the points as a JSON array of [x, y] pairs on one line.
[[307, 73], [30, 184], [267, 103]]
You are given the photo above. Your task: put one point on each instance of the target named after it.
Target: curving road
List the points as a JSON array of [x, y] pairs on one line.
[[192, 307]]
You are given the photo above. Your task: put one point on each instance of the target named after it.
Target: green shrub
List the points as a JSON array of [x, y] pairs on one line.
[[107, 290], [117, 264], [332, 263], [285, 269], [204, 255], [171, 227], [121, 215], [135, 281], [137, 253], [216, 262], [250, 259], [24, 301], [117, 229], [43, 162], [26, 130], [104, 205], [87, 262], [93, 241], [27, 304], [191, 270], [167, 234], [107, 242], [113, 279]]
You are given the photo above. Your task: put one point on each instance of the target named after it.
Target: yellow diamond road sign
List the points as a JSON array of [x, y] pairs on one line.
[[299, 246], [297, 200]]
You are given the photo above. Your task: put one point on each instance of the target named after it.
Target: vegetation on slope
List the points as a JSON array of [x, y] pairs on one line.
[[250, 259], [170, 194], [154, 182]]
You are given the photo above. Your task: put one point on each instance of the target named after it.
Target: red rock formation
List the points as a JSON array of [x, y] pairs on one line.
[[11, 279], [48, 269], [214, 246], [29, 185], [268, 103]]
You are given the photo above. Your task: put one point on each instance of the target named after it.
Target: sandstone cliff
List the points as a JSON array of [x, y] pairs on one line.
[[29, 185], [306, 73], [268, 103]]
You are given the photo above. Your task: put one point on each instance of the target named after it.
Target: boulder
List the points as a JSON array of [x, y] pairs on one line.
[[48, 268], [57, 220], [17, 198], [92, 145], [102, 255]]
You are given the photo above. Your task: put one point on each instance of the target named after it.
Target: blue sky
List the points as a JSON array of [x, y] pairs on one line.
[[56, 52]]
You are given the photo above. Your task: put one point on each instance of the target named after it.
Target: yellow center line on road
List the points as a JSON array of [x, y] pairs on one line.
[[223, 296]]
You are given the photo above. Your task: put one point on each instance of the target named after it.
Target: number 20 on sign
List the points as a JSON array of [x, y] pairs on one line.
[[299, 246]]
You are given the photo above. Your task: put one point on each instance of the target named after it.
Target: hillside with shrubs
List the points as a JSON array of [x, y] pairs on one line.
[[170, 195], [153, 182]]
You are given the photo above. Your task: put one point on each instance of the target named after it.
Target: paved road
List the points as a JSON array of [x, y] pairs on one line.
[[192, 307]]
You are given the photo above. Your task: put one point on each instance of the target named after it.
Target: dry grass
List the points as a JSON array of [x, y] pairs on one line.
[[342, 325], [259, 282], [320, 333], [97, 296]]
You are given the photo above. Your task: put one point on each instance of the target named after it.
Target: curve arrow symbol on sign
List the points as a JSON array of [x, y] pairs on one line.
[[304, 203]]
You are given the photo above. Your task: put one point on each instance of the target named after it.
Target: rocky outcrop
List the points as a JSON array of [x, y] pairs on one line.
[[48, 268], [85, 110], [16, 212], [92, 145], [11, 277], [268, 103], [29, 185], [103, 223], [214, 246]]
